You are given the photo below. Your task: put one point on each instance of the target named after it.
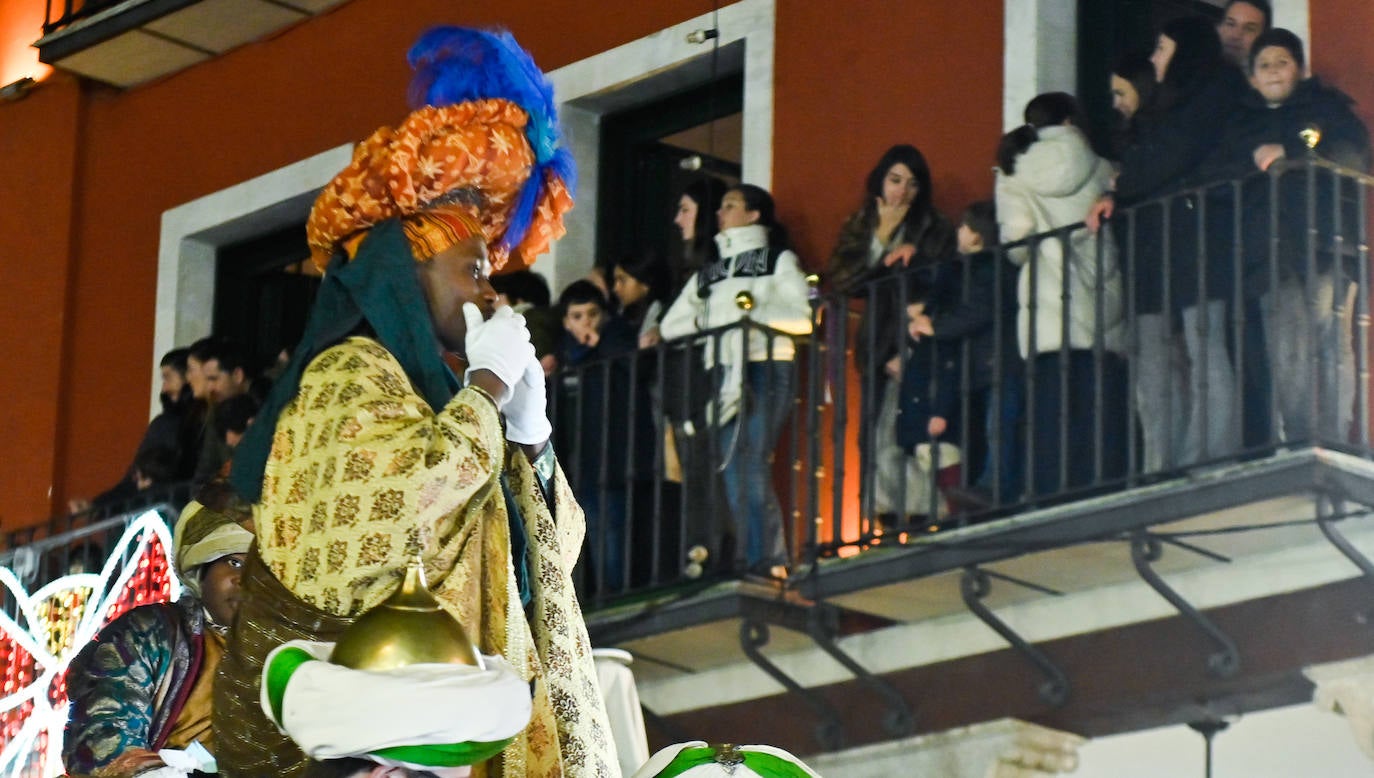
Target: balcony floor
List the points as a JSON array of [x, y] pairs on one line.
[[1248, 515]]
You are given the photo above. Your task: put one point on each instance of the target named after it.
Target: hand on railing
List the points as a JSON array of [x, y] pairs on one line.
[[1268, 154], [1100, 212], [919, 323], [894, 368]]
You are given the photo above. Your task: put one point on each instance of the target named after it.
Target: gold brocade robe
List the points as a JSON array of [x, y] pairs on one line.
[[363, 475]]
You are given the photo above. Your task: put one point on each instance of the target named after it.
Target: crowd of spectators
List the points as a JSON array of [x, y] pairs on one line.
[[1001, 357], [209, 394], [1128, 308], [1174, 282]]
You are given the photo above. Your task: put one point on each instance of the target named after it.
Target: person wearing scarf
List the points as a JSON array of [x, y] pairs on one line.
[[371, 452], [144, 683]]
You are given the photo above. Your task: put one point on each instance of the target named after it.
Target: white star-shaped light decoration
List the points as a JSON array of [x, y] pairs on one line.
[[53, 624]]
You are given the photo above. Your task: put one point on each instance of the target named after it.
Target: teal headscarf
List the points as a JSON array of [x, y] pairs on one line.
[[378, 288]]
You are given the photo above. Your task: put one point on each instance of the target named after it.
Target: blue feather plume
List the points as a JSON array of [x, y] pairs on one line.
[[456, 64]]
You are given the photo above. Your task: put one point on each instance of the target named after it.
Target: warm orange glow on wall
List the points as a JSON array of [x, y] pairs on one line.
[[21, 23]]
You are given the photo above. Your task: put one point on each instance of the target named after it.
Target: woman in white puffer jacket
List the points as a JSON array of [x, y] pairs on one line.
[[1048, 175]]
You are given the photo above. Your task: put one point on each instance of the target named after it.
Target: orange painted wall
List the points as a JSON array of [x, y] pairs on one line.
[[20, 24], [38, 141], [852, 82], [845, 90], [1340, 49]]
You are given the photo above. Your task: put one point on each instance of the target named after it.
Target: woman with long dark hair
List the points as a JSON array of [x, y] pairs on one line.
[[896, 227], [684, 370], [1133, 87], [695, 218], [756, 385], [1172, 137]]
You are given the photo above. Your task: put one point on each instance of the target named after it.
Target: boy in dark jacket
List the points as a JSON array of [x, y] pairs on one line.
[[927, 420], [595, 354], [1288, 118], [974, 311]]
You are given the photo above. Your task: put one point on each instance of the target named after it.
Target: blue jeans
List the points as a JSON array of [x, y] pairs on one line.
[[1187, 412], [746, 445], [1213, 420]]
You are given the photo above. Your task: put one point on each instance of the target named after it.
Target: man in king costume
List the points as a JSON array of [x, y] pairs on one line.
[[371, 451]]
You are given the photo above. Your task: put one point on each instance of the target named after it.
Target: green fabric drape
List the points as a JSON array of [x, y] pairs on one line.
[[766, 765], [380, 289]]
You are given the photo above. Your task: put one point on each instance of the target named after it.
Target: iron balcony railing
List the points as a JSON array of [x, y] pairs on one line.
[[1113, 395], [1217, 323], [80, 542]]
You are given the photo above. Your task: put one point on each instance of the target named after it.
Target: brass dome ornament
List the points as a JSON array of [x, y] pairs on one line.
[[407, 628], [745, 301]]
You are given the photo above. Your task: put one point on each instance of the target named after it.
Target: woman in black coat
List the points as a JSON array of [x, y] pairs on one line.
[[1173, 275]]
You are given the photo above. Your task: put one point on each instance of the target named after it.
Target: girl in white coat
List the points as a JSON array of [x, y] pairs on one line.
[[1070, 323], [756, 389]]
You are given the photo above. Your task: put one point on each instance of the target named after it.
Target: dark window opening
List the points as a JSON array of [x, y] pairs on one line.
[[264, 288], [642, 154]]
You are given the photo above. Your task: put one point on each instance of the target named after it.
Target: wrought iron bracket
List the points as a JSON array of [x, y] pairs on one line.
[[974, 586], [829, 733], [1329, 511], [822, 625], [1147, 549]]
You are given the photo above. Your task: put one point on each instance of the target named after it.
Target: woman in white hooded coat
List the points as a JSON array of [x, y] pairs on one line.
[[1069, 285]]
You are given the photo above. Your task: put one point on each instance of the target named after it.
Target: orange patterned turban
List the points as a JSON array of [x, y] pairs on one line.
[[461, 165]]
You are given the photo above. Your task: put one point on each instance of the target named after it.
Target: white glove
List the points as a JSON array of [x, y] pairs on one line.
[[527, 418], [181, 763], [500, 344]]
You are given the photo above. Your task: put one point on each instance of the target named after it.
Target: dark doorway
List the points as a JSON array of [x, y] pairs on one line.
[[642, 154], [1108, 29], [264, 289]]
